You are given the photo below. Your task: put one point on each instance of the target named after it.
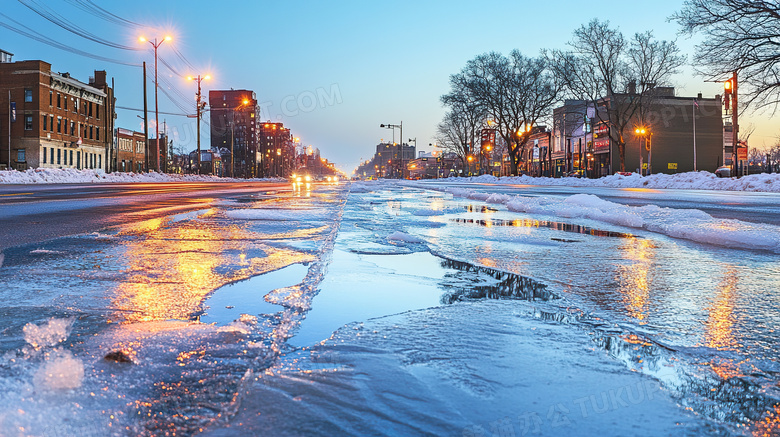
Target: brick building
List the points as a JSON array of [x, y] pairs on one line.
[[130, 151], [60, 122]]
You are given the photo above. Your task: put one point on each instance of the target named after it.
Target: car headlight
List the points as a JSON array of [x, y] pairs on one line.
[[308, 178]]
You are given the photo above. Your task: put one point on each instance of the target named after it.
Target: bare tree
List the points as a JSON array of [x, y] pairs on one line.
[[619, 76], [741, 36], [459, 130], [516, 92]]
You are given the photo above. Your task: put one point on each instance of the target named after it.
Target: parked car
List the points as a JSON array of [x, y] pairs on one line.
[[724, 171]]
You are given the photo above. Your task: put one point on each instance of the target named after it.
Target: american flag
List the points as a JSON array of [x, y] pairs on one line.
[[696, 102]]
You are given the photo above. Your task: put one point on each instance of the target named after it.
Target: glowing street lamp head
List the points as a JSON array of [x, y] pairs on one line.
[[142, 39], [168, 38], [245, 101], [207, 77]]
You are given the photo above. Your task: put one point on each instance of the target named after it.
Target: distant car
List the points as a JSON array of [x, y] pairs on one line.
[[724, 171]]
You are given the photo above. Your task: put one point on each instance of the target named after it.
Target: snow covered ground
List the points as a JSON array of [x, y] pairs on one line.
[[702, 180], [762, 182], [73, 176]]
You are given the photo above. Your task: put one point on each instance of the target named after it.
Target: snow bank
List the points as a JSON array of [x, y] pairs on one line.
[[702, 180], [689, 224], [70, 175]]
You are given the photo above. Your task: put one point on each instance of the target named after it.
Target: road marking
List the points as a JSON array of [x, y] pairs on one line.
[[16, 194]]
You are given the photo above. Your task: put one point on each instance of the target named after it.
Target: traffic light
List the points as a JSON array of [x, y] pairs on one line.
[[727, 90]]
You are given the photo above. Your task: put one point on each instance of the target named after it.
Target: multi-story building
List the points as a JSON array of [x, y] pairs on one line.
[[56, 120], [277, 150], [234, 130], [130, 151], [390, 157]]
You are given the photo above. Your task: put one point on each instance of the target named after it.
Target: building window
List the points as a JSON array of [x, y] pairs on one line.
[[90, 109], [72, 128], [71, 157], [91, 132], [78, 160], [76, 105], [66, 103], [51, 155], [59, 125], [20, 155], [59, 100], [51, 123], [28, 95], [85, 108], [44, 122], [28, 122], [59, 156], [97, 111], [100, 161], [65, 157], [44, 155], [97, 133], [51, 97]]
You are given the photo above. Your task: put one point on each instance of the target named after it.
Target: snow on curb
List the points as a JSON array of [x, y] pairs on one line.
[[70, 176]]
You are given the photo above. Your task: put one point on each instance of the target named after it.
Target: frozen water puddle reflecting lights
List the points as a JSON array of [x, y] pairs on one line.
[[227, 303], [558, 226]]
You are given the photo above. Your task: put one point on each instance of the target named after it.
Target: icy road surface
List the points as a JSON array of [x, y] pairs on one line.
[[385, 309]]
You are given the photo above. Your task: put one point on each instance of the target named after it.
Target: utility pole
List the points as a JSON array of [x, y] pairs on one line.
[[146, 123], [10, 112], [198, 108], [734, 121], [165, 163]]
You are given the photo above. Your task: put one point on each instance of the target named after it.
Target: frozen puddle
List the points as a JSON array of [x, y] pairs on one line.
[[558, 226], [360, 287], [473, 369], [227, 303]]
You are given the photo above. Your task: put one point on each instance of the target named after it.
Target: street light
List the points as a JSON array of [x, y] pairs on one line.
[[647, 135], [198, 108], [401, 146], [156, 45]]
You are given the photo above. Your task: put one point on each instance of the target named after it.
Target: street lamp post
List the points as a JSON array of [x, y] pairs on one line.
[[198, 108], [401, 146], [156, 45], [647, 135]]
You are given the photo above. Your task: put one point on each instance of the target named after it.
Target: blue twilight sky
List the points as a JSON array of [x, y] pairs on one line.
[[331, 71]]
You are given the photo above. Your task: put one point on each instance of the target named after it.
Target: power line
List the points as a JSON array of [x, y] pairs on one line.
[[93, 9], [23, 30], [69, 26], [127, 108]]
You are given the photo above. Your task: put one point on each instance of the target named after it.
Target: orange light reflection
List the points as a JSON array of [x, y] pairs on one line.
[[172, 267], [633, 276]]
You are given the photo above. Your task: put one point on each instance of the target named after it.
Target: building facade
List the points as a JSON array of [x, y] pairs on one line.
[[130, 151], [277, 155], [662, 138], [234, 131], [56, 121]]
